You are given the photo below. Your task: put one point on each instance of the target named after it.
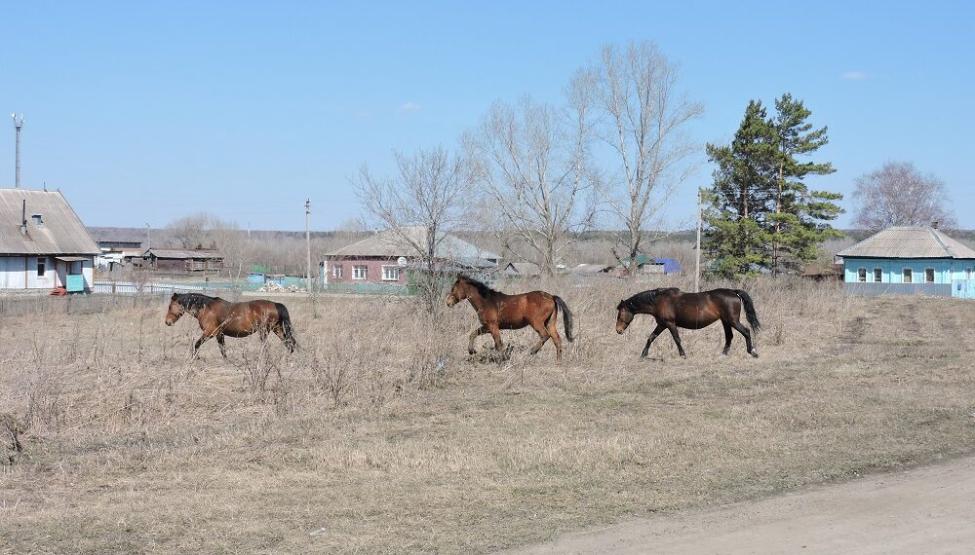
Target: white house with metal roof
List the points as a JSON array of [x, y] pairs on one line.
[[43, 244], [910, 260]]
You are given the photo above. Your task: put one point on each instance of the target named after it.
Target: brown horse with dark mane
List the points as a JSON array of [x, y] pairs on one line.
[[219, 318], [673, 309], [498, 311]]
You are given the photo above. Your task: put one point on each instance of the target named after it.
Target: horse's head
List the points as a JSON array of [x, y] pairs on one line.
[[176, 310], [624, 315], [458, 292]]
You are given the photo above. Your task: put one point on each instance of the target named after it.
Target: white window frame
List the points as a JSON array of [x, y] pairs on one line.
[[878, 275], [934, 275], [395, 269], [337, 270], [361, 276], [907, 275], [861, 275]]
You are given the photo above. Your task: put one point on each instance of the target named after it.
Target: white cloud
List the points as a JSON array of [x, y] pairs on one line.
[[854, 75], [410, 107]]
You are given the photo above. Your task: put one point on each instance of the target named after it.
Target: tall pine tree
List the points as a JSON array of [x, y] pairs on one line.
[[799, 220], [744, 180], [761, 213]]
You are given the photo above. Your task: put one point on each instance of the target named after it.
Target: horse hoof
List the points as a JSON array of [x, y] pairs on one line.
[[754, 354]]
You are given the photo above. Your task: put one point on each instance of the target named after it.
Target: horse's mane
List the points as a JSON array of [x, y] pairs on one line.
[[645, 297], [194, 301], [481, 287]]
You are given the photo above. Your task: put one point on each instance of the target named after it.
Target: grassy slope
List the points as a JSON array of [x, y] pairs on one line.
[[134, 448]]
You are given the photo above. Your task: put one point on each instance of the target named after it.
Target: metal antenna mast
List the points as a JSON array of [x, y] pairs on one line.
[[18, 123], [308, 246]]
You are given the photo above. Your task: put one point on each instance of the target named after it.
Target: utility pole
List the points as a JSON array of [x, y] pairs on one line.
[[148, 237], [308, 246], [697, 252], [18, 123]]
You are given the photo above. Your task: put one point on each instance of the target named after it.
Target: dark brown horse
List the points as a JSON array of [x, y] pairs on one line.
[[673, 309], [219, 318], [497, 311]]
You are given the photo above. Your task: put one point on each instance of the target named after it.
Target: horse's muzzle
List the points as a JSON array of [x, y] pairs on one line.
[[451, 300]]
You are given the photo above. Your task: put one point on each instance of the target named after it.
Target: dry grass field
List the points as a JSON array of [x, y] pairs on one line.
[[381, 435]]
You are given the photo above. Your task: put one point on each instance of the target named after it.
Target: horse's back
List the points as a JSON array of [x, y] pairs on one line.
[[522, 309]]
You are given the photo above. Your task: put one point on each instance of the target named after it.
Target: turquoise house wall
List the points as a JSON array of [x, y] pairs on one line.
[[946, 270], [952, 277]]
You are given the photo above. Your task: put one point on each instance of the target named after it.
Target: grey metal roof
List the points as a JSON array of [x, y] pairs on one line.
[[393, 244], [908, 242], [184, 253], [61, 232]]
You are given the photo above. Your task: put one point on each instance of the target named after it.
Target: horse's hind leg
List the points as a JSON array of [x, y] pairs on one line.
[[727, 337], [553, 332], [279, 331], [223, 349], [653, 335], [543, 335], [748, 338], [673, 332]]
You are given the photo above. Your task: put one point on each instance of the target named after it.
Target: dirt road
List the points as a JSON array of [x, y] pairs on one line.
[[926, 510]]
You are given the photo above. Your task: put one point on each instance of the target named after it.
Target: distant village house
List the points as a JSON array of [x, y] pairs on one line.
[[909, 260], [384, 258], [43, 244], [183, 260]]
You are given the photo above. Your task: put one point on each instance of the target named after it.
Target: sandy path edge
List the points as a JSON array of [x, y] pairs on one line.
[[930, 509]]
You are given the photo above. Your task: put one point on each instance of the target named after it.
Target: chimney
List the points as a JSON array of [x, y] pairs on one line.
[[935, 224], [23, 218]]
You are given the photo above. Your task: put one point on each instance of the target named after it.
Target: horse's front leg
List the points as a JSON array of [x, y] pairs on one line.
[[223, 350], [496, 334], [478, 331], [196, 346], [653, 335]]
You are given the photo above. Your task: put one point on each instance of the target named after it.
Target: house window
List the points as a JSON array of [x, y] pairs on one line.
[[360, 272], [968, 273], [391, 273], [929, 275], [878, 275], [41, 266], [908, 275], [862, 275], [337, 271]]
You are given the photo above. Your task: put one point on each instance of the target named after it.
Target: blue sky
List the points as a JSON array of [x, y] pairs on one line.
[[143, 112]]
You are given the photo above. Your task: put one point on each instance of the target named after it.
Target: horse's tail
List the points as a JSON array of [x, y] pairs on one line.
[[566, 319], [749, 309], [289, 332]]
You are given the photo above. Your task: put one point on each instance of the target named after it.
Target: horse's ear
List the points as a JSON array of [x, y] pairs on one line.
[[173, 297]]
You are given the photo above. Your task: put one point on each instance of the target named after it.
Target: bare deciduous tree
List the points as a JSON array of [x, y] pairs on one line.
[[641, 119], [898, 194], [193, 231], [530, 160], [427, 193]]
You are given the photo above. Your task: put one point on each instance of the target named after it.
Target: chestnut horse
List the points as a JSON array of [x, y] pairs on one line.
[[219, 318], [673, 309], [498, 311]]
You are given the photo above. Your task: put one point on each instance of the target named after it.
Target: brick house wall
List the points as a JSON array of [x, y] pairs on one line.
[[374, 271]]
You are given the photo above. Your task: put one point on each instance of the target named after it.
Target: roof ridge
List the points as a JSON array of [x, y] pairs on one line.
[[934, 233]]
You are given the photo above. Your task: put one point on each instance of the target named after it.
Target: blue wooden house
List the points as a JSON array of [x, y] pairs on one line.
[[909, 261]]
